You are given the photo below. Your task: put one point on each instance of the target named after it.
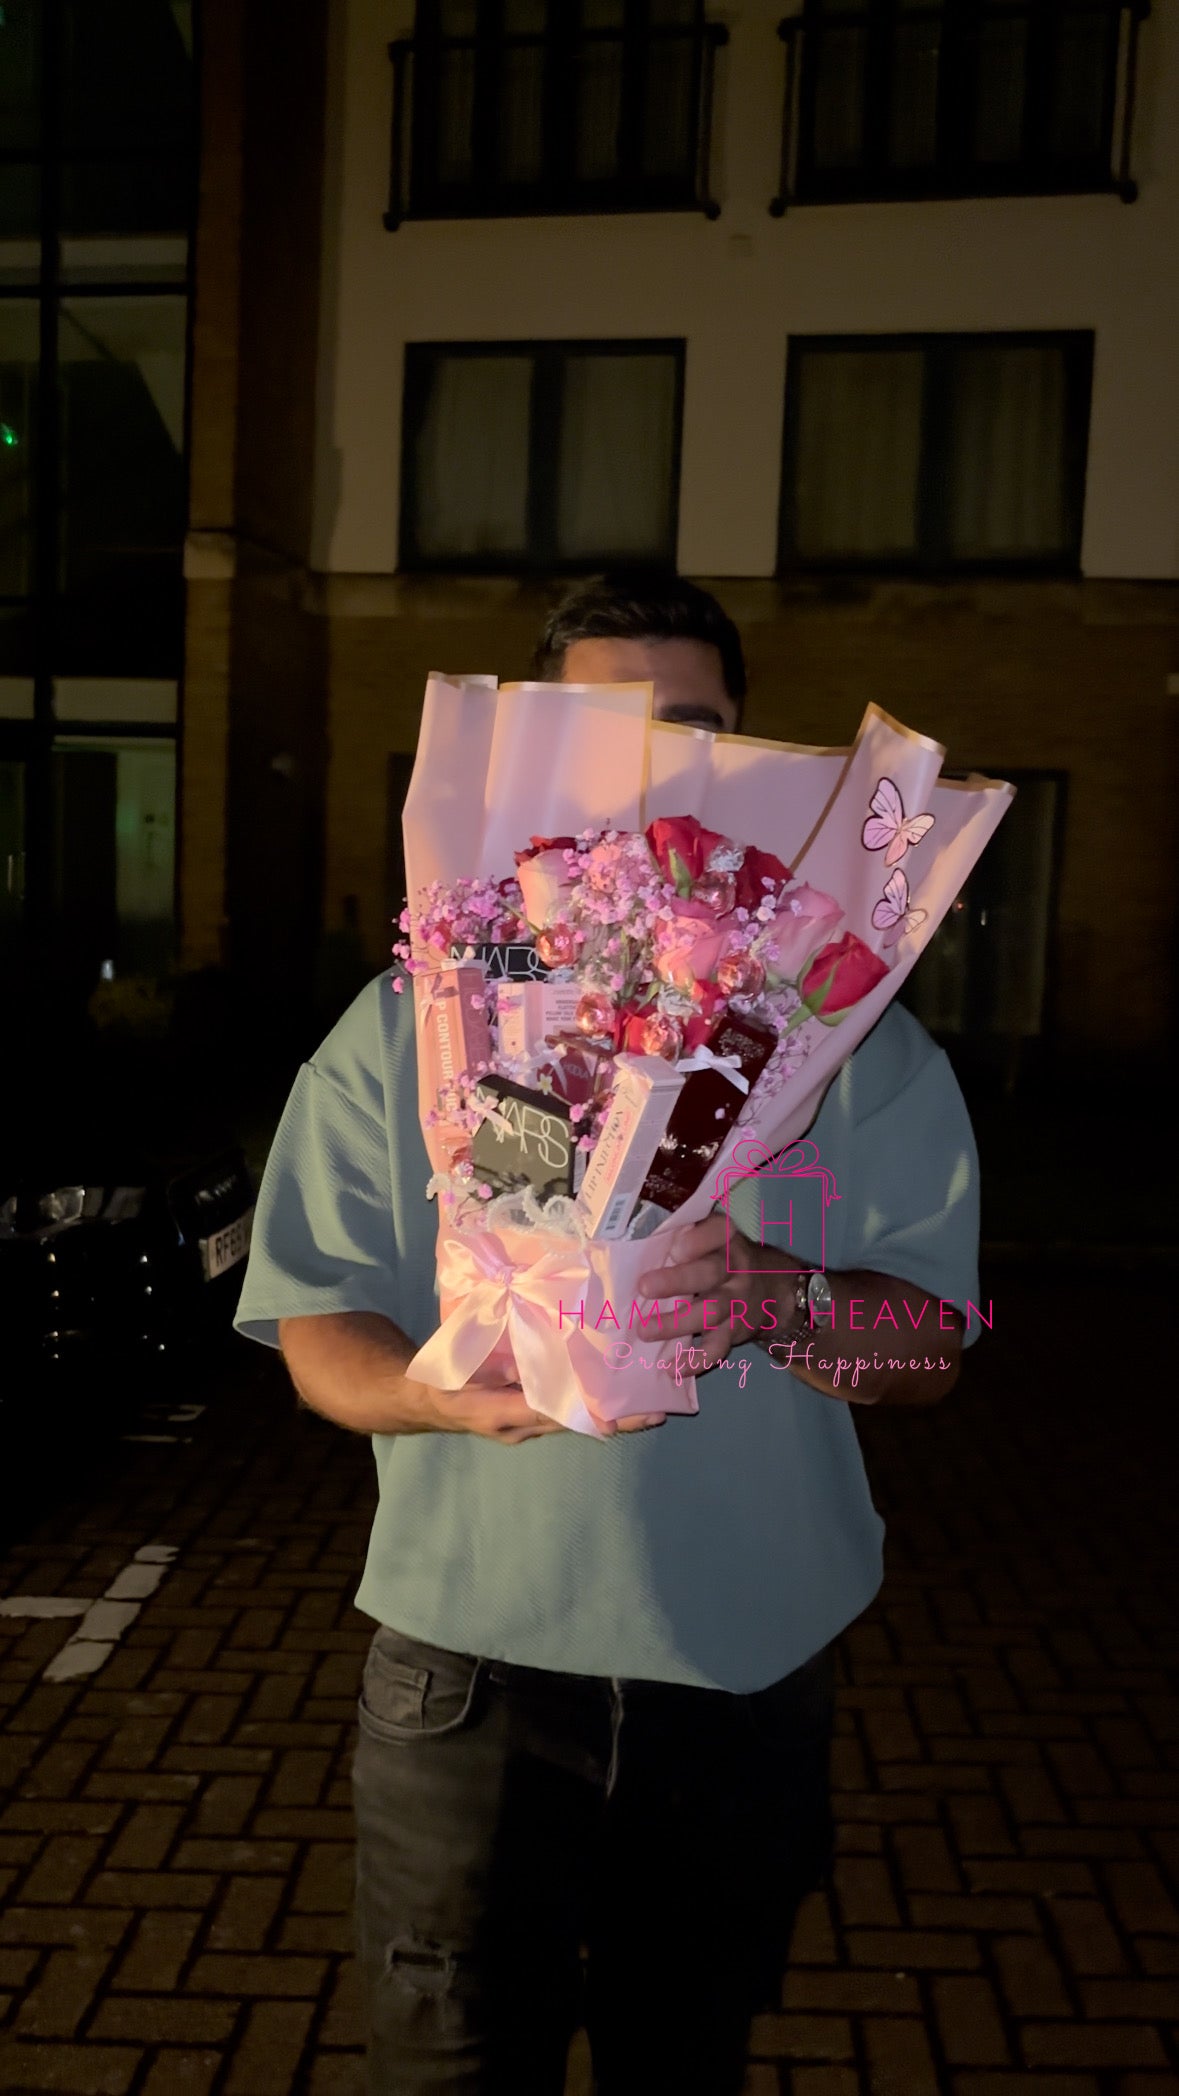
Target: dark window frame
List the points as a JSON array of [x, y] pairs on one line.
[[953, 173], [540, 557], [417, 191], [932, 557], [48, 646]]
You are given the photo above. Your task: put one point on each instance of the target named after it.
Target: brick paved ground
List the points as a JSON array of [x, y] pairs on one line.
[[174, 1841]]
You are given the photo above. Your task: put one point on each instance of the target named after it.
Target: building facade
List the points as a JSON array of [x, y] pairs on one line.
[[866, 319]]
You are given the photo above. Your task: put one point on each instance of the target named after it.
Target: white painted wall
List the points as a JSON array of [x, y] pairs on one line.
[[736, 289]]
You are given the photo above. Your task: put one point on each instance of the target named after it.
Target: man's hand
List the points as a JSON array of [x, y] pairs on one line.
[[350, 1367], [703, 1278]]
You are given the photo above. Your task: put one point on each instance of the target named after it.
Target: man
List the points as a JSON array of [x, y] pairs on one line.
[[597, 1714]]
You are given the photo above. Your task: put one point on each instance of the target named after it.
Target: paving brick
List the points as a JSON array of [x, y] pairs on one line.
[[266, 2059], [88, 2070], [246, 1914], [899, 2059], [61, 1869], [851, 1993], [150, 2020], [1093, 2045], [864, 1893], [326, 1884], [151, 1888], [177, 2072], [1032, 1982], [145, 1840], [1090, 1942], [825, 2081], [235, 1856], [226, 1973], [913, 1949], [970, 2022], [802, 2037], [155, 1957], [62, 1995]]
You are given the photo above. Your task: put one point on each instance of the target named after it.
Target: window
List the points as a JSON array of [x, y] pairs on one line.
[[556, 455], [935, 98], [936, 452], [97, 179], [555, 105]]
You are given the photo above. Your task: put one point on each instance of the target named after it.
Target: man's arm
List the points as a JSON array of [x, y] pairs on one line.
[[702, 1279], [350, 1367]]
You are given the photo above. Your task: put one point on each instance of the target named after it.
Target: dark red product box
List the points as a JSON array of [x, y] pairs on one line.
[[706, 1110]]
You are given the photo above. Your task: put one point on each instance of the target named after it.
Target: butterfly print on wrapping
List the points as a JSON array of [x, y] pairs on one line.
[[892, 914], [888, 828]]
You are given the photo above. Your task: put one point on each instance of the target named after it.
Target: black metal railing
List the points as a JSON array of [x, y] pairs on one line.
[[650, 171], [864, 169]]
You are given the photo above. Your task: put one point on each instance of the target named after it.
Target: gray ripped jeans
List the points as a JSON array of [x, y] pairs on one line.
[[539, 1850]]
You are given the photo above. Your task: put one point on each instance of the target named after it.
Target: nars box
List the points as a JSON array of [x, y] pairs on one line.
[[645, 1091]]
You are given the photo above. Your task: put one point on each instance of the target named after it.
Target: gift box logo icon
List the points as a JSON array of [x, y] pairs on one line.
[[794, 1191]]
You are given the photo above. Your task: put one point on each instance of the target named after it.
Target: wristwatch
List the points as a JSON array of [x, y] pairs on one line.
[[813, 1306]]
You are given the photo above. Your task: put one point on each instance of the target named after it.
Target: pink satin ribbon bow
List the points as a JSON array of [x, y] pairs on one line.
[[500, 1296]]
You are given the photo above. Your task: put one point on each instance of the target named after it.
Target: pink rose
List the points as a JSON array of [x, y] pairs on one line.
[[546, 878], [690, 946], [839, 976], [805, 919]]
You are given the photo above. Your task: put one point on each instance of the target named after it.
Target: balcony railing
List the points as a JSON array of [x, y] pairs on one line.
[[562, 120], [1010, 98]]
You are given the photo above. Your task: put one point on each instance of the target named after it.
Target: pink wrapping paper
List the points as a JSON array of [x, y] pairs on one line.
[[496, 765]]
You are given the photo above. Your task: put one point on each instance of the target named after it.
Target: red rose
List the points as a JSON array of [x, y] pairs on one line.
[[709, 999], [839, 976], [756, 867], [680, 846], [543, 844]]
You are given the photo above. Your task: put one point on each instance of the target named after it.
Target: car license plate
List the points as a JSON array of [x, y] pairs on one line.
[[226, 1248]]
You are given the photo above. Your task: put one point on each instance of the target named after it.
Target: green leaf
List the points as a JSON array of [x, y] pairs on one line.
[[679, 873]]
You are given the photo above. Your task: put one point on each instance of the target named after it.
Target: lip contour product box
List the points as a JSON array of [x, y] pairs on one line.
[[533, 1013], [645, 1092], [454, 1036]]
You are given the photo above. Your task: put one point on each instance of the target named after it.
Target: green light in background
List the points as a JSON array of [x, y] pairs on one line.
[[8, 436]]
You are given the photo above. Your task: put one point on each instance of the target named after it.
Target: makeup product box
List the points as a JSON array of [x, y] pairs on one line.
[[528, 1139], [706, 1110], [646, 1088], [533, 1013], [517, 960], [453, 1035]]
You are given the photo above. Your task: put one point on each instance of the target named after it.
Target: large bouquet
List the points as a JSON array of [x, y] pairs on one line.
[[605, 1011]]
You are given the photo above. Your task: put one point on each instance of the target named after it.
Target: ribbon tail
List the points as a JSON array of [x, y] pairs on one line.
[[461, 1344], [546, 1371]]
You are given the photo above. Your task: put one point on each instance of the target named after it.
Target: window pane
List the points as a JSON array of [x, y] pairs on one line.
[[18, 430], [617, 457], [858, 452], [456, 116], [1007, 492], [127, 76], [599, 110], [16, 700], [524, 17], [471, 459], [521, 113], [912, 115], [122, 436], [668, 115], [132, 195], [1000, 72], [12, 857], [602, 14], [20, 73], [1084, 56], [114, 807], [20, 204], [839, 97]]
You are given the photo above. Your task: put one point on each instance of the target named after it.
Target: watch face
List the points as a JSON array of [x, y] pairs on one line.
[[818, 1295]]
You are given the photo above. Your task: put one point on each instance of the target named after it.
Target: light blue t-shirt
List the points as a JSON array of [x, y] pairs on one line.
[[721, 1550]]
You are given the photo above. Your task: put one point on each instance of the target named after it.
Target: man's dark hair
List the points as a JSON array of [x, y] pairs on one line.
[[640, 606]]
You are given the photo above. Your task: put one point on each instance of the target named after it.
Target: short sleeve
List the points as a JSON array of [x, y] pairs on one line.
[[342, 1222], [915, 1214]]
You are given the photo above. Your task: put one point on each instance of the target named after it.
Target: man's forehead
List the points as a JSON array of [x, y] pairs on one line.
[[685, 673]]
